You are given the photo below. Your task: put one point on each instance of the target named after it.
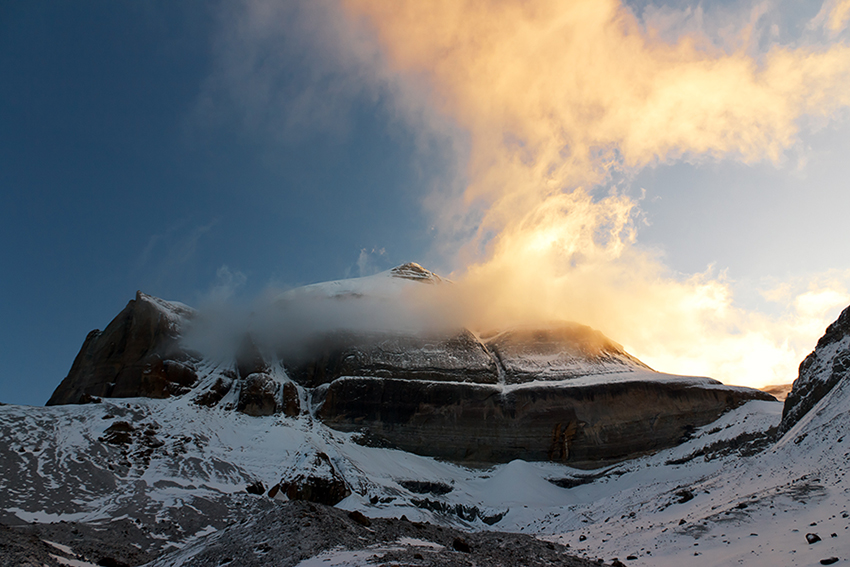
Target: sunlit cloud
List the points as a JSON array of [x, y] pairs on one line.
[[833, 16], [560, 101]]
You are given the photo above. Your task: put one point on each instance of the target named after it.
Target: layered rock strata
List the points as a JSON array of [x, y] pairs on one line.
[[585, 425]]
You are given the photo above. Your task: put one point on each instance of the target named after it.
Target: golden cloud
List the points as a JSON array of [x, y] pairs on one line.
[[555, 96]]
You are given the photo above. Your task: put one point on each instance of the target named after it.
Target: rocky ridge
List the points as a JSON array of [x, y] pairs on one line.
[[820, 371], [138, 354]]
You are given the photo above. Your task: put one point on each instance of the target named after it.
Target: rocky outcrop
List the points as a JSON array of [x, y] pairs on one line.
[[260, 395], [819, 372], [296, 533], [249, 360], [313, 479], [215, 393], [291, 400], [138, 354]]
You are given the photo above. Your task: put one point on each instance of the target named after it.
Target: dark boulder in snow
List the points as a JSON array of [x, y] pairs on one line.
[[360, 518], [819, 372], [313, 478]]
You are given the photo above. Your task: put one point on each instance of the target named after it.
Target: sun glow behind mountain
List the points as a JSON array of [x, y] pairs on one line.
[[563, 103]]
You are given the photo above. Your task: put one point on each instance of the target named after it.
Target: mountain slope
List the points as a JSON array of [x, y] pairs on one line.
[[173, 477]]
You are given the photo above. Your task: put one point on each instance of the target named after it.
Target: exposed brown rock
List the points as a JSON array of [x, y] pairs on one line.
[[360, 518], [138, 354], [219, 389], [119, 433], [459, 544], [259, 395], [291, 401], [584, 425]]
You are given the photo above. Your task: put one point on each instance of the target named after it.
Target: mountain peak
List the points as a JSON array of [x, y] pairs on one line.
[[415, 272]]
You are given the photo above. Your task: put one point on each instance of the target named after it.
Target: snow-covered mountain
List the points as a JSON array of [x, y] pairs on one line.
[[198, 483], [364, 355]]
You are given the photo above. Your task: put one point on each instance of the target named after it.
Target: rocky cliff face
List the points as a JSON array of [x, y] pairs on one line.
[[138, 354], [819, 372], [584, 424], [562, 393]]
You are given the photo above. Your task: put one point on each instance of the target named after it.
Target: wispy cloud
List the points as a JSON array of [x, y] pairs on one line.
[[286, 71], [167, 251], [227, 282], [833, 17], [369, 262]]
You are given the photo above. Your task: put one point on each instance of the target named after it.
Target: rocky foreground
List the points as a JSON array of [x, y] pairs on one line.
[[283, 535]]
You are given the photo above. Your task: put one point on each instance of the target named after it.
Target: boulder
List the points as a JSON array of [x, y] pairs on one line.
[[313, 478]]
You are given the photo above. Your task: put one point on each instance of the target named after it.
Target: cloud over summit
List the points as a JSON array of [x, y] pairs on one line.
[[560, 100]]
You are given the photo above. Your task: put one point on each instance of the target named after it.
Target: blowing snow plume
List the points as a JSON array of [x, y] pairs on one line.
[[562, 99]]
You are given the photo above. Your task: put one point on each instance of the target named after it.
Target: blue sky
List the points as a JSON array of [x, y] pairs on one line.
[[108, 184], [160, 146]]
